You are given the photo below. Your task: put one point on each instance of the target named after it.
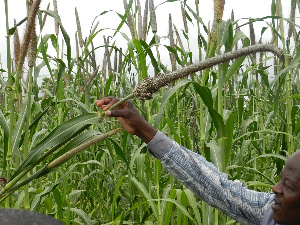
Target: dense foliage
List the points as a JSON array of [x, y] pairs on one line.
[[243, 115]]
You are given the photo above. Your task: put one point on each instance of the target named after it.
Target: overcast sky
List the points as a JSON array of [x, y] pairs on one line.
[[89, 9]]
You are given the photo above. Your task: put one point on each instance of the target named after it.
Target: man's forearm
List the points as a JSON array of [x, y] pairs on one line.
[[146, 132], [203, 178]]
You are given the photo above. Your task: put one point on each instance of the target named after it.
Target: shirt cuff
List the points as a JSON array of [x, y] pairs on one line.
[[159, 145]]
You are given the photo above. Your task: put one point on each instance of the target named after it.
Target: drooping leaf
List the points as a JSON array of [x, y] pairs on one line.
[[141, 57], [85, 218], [147, 195], [65, 34], [153, 60], [58, 137]]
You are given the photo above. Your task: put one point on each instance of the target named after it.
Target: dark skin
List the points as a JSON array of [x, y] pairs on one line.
[[287, 193], [129, 117], [286, 205]]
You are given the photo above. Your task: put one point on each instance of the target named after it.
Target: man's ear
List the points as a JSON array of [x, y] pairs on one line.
[[25, 217]]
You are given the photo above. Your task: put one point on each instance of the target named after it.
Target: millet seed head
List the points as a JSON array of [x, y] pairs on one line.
[[218, 10], [145, 20], [152, 16], [145, 89], [56, 22], [140, 21], [292, 18], [28, 31], [79, 28], [32, 49], [17, 44]]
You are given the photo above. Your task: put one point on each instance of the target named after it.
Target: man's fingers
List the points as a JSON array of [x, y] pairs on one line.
[[106, 102], [108, 113], [102, 101], [124, 113], [109, 104]]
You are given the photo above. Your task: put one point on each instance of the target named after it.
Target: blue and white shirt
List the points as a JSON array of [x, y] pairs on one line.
[[207, 182]]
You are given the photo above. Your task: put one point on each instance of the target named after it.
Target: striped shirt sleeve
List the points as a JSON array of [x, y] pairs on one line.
[[205, 181]]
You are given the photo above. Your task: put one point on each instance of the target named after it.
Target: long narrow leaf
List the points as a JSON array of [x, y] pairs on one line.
[[57, 137], [3, 123]]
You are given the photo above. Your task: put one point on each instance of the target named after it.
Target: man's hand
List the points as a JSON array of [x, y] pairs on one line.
[[129, 117]]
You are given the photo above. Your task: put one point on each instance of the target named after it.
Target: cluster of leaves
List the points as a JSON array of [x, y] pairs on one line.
[[234, 114]]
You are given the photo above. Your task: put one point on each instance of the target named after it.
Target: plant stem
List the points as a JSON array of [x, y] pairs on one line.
[[27, 134], [11, 97], [119, 102]]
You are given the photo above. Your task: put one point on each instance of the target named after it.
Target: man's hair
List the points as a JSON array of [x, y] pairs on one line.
[[25, 217]]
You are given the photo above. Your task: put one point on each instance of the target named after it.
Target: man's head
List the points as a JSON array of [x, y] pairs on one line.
[[25, 217], [287, 193]]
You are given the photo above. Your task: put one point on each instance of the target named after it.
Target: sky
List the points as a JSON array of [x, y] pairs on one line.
[[89, 9]]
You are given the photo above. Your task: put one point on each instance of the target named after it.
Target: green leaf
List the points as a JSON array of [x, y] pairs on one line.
[[193, 204], [217, 119], [229, 136], [36, 175], [264, 77], [263, 30], [270, 155], [131, 46], [223, 32], [147, 195], [116, 194], [43, 47], [80, 139], [171, 127], [174, 52], [141, 57], [216, 154], [37, 200], [206, 96], [290, 97], [3, 123], [120, 153], [62, 67], [239, 36], [65, 34], [294, 64], [259, 184], [82, 106], [168, 94], [207, 125], [297, 127], [124, 17], [199, 19], [83, 216], [12, 30], [166, 207], [237, 63], [107, 85], [59, 136], [153, 60], [59, 203], [17, 133], [234, 167], [182, 209]]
